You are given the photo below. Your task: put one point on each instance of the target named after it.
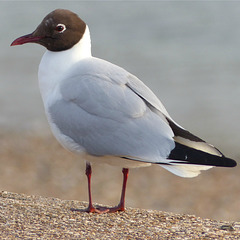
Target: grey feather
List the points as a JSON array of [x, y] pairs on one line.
[[100, 112]]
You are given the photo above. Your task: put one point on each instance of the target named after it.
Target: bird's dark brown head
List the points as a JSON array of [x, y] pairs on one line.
[[59, 30]]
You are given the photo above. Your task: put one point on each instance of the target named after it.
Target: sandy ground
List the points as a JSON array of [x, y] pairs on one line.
[[32, 217], [38, 165]]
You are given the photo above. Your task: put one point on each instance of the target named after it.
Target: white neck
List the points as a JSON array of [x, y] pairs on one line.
[[61, 61], [54, 65]]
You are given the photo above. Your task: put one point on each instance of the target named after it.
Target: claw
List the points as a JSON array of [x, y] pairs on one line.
[[96, 210]]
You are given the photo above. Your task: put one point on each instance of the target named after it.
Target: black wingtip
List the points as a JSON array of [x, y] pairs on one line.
[[187, 155], [230, 162]]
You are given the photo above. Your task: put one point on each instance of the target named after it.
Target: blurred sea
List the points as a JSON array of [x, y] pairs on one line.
[[188, 53]]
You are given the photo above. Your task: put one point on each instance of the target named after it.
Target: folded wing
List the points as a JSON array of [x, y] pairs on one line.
[[112, 113]]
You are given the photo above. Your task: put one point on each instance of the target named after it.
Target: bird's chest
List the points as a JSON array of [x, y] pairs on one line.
[[50, 74]]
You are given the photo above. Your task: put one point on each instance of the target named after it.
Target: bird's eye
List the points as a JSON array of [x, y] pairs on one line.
[[60, 28]]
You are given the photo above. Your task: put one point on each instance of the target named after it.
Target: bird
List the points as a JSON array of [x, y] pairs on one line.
[[105, 114]]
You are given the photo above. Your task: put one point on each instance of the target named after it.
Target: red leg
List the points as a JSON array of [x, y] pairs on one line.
[[88, 172], [121, 205], [90, 208]]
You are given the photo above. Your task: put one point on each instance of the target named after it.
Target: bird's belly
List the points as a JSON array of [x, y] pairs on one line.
[[115, 161]]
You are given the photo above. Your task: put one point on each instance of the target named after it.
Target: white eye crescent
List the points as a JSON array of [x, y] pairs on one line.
[[60, 28]]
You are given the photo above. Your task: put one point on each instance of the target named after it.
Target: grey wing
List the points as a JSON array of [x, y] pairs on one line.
[[106, 117]]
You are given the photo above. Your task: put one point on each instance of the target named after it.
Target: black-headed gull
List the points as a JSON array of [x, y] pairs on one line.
[[104, 113]]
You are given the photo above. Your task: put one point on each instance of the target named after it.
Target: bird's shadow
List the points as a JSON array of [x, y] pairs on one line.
[[78, 210]]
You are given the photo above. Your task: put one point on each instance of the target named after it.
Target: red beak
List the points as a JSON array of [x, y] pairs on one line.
[[29, 38]]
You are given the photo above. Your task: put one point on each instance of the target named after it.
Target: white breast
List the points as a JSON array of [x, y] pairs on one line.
[[53, 69]]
